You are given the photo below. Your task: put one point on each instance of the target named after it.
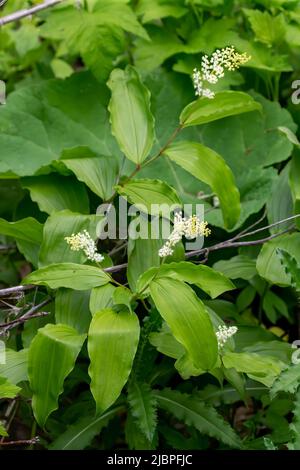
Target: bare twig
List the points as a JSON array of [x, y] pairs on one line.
[[5, 248], [18, 15], [235, 244], [14, 290], [23, 442], [27, 316], [21, 320]]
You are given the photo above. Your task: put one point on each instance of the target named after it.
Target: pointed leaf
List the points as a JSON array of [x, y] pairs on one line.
[[131, 118], [72, 309], [209, 167], [225, 103], [70, 275], [188, 320], [51, 358], [112, 344], [146, 194]]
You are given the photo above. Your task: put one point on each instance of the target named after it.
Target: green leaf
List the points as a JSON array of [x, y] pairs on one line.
[[209, 167], [101, 298], [131, 119], [15, 367], [292, 268], [239, 266], [261, 368], [80, 434], [69, 275], [112, 344], [147, 195], [268, 262], [59, 114], [55, 193], [268, 29], [225, 103], [288, 381], [122, 296], [51, 358], [143, 407], [195, 413], [54, 248], [98, 172], [209, 280], [157, 9], [28, 233], [72, 309], [188, 320], [7, 389]]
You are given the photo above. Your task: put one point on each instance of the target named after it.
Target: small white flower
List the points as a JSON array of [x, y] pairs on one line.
[[224, 333], [190, 228], [83, 241], [213, 68]]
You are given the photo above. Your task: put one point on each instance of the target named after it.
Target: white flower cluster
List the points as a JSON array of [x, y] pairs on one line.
[[224, 333], [83, 241], [190, 228], [213, 68]]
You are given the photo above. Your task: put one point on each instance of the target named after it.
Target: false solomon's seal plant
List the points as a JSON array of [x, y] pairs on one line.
[[126, 321]]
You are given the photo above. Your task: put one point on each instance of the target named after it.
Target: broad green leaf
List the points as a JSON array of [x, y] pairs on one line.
[[98, 172], [101, 298], [188, 320], [15, 367], [59, 114], [268, 262], [196, 413], [261, 368], [239, 266], [142, 255], [55, 193], [131, 119], [80, 434], [274, 306], [122, 296], [143, 407], [112, 343], [209, 167], [295, 183], [72, 309], [209, 280], [157, 9], [69, 275], [51, 358], [28, 233], [165, 343], [96, 33], [7, 389], [268, 29], [54, 248], [148, 195], [225, 103], [288, 381]]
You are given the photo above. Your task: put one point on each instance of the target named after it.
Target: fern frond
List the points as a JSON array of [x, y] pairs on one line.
[[143, 407]]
